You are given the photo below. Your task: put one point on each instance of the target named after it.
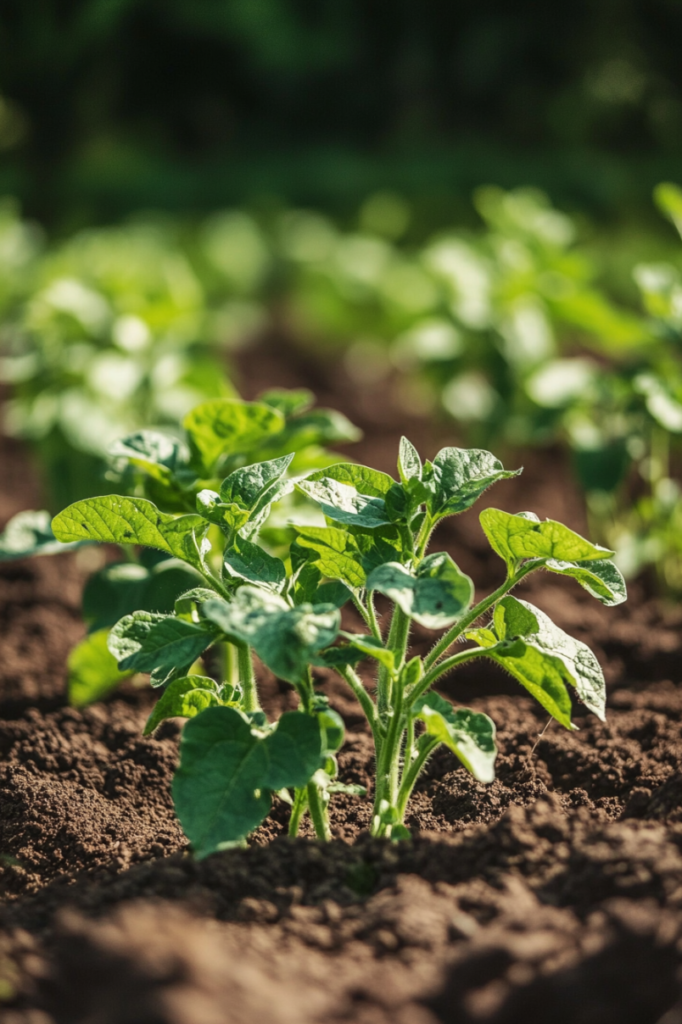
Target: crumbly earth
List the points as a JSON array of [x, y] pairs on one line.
[[555, 894]]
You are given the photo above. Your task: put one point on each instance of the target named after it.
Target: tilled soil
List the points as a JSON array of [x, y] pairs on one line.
[[553, 895]]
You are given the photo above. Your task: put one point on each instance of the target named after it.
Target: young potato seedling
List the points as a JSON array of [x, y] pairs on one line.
[[287, 610]]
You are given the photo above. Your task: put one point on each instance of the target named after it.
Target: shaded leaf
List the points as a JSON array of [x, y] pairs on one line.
[[183, 698], [251, 562], [335, 553], [284, 638], [470, 735], [246, 485], [147, 641], [371, 647], [222, 788]]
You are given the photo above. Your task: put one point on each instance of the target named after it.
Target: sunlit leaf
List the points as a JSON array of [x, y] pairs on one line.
[[92, 672], [147, 641], [470, 735], [183, 698], [520, 536], [435, 596], [459, 476]]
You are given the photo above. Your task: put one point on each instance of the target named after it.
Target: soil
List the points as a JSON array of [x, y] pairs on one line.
[[555, 894]]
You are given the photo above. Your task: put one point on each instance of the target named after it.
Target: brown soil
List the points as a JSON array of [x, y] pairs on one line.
[[553, 895]]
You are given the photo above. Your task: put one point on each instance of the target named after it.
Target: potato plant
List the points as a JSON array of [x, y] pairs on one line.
[[287, 611]]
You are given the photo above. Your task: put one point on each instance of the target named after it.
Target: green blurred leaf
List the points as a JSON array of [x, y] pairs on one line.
[[370, 647], [470, 735], [113, 518], [288, 402], [435, 596], [125, 587], [225, 426], [92, 671], [30, 533]]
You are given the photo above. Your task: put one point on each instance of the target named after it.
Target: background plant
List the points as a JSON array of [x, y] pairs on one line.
[[287, 610]]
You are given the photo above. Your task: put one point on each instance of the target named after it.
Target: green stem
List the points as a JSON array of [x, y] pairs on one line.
[[318, 812], [373, 622], [362, 610], [298, 810], [424, 536], [411, 774], [397, 643], [387, 760], [441, 668], [247, 678], [364, 699], [463, 624]]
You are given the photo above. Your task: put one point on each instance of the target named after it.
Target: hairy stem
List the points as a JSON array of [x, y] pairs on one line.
[[247, 678], [318, 812], [411, 774], [440, 669], [298, 810], [467, 620]]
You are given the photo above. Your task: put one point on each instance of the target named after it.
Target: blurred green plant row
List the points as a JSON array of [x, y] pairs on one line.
[[511, 330]]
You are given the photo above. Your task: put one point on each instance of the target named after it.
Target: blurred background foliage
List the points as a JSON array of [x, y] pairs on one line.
[[109, 105], [322, 168]]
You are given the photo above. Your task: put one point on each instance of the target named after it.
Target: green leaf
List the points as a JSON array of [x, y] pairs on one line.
[[334, 592], [409, 462], [583, 670], [251, 562], [470, 735], [513, 618], [158, 455], [335, 553], [345, 504], [317, 427], [30, 533], [543, 675], [365, 480], [435, 596], [459, 476], [371, 647], [245, 486], [226, 426], [284, 638], [92, 671], [333, 730], [147, 641], [192, 600], [227, 771], [294, 751], [515, 537], [184, 698], [118, 520], [290, 402], [600, 577]]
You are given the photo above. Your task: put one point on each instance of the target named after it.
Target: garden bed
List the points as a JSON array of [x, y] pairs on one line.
[[555, 894]]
